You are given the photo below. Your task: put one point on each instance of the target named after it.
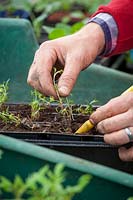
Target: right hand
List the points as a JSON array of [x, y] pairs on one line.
[[73, 53], [112, 119]]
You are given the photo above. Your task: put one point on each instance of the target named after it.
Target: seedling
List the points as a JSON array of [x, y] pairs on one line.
[[64, 105], [39, 102], [68, 109], [56, 73], [88, 109], [9, 118], [3, 92], [60, 100], [35, 105], [44, 184]]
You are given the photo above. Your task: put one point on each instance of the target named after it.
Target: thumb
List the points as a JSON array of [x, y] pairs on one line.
[[69, 76]]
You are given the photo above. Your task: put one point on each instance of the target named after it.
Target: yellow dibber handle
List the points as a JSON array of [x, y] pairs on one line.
[[87, 126], [128, 90]]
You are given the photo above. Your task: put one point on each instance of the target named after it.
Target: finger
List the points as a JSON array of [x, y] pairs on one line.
[[115, 106], [44, 61], [116, 122], [126, 154], [69, 76], [36, 83], [117, 137], [44, 64]]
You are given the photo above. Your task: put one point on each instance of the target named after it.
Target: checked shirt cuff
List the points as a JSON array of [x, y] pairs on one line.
[[110, 29]]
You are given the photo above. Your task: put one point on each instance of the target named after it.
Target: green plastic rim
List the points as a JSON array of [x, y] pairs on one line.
[[69, 161]]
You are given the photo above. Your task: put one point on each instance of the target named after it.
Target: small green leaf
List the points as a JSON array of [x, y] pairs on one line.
[[66, 19], [48, 29], [56, 33], [65, 27], [77, 14], [38, 22], [77, 26]]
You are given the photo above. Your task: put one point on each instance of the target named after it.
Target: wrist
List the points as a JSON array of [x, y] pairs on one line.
[[93, 33], [110, 29]]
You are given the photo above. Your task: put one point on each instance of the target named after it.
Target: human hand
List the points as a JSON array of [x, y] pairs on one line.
[[112, 119], [72, 53]]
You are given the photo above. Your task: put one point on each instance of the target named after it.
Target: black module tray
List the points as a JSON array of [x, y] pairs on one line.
[[89, 147], [92, 148]]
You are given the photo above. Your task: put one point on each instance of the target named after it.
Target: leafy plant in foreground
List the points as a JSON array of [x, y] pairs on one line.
[[44, 184]]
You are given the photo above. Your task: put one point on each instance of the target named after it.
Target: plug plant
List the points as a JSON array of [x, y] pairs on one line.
[[38, 103], [4, 92], [9, 118], [35, 105], [45, 184], [87, 109], [5, 115], [64, 103]]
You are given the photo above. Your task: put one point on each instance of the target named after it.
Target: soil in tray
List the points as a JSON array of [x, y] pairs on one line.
[[49, 121]]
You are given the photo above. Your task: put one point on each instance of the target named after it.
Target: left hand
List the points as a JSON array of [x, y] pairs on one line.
[[72, 53], [112, 119]]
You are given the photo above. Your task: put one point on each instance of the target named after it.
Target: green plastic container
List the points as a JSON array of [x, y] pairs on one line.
[[23, 158], [17, 47], [101, 83]]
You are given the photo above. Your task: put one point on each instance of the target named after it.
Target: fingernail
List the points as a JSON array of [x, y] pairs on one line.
[[100, 128], [121, 149], [92, 121], [64, 91]]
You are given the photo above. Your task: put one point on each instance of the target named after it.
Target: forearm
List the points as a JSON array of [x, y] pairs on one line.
[[122, 13]]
